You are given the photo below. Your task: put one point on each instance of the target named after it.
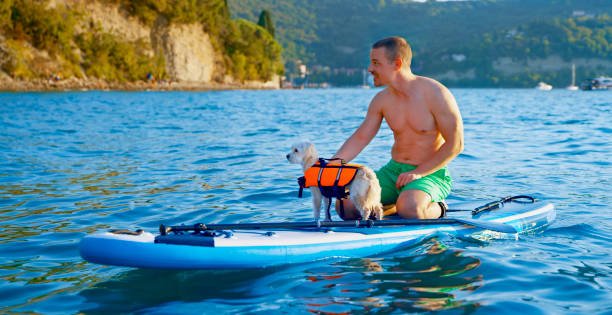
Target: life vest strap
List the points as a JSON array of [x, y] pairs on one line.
[[342, 209], [302, 183]]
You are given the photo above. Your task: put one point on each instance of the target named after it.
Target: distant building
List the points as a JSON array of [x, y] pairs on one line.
[[303, 70], [581, 13], [513, 33], [458, 57]]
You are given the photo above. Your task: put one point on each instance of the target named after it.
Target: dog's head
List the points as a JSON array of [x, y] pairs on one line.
[[302, 153]]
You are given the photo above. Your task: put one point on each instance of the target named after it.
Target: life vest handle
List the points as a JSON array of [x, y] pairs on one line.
[[324, 161]]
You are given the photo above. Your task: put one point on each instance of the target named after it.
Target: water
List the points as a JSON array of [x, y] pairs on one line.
[[75, 163]]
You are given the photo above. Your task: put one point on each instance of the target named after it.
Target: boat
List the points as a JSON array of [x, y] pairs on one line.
[[261, 245], [364, 75], [573, 87], [600, 83], [543, 86]]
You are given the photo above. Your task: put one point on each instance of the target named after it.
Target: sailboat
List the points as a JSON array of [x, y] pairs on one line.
[[573, 87], [365, 84]]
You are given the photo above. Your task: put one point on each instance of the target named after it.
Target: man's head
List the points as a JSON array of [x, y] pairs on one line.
[[387, 56]]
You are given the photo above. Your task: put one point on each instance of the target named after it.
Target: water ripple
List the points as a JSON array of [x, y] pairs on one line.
[[75, 163]]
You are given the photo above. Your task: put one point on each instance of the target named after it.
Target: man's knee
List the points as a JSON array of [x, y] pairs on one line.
[[409, 209], [412, 205]]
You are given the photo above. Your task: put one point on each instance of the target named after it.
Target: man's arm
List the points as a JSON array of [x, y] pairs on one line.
[[365, 133], [448, 121]]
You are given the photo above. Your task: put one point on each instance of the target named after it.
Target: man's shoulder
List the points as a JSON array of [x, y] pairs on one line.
[[430, 83], [381, 95], [379, 100], [436, 94], [433, 90]]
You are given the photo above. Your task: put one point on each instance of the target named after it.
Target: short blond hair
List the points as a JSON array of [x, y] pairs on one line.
[[395, 47]]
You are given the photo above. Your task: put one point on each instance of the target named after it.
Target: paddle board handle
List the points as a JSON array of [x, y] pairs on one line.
[[500, 203]]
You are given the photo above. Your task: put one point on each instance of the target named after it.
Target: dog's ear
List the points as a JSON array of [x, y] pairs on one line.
[[309, 149]]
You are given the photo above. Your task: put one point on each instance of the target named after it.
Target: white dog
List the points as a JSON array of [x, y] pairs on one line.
[[364, 189]]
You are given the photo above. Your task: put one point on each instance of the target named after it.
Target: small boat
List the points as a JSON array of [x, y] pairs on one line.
[[364, 84], [573, 87], [542, 86], [600, 83], [260, 245]]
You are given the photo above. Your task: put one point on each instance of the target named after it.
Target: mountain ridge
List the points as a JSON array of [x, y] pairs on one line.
[[337, 35]]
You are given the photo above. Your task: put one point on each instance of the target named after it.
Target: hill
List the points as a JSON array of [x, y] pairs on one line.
[[115, 43], [513, 43]]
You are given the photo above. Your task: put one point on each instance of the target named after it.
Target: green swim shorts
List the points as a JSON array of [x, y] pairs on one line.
[[437, 185]]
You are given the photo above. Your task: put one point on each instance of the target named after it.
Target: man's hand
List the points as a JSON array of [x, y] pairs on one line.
[[405, 178]]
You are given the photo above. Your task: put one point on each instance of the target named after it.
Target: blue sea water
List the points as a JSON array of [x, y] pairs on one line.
[[79, 162]]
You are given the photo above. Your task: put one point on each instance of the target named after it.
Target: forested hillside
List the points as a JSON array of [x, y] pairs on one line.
[[465, 43], [131, 40]]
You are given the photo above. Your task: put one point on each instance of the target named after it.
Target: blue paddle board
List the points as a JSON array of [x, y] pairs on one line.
[[267, 247]]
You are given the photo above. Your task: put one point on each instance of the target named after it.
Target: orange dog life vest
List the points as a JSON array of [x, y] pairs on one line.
[[331, 179]]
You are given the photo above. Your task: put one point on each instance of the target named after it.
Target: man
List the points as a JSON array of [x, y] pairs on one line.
[[427, 129]]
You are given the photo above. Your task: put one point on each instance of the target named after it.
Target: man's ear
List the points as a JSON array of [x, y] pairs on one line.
[[398, 63]]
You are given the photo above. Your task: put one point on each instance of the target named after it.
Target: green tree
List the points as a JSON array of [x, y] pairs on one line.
[[44, 28], [254, 54], [5, 13], [265, 21], [146, 10], [109, 57]]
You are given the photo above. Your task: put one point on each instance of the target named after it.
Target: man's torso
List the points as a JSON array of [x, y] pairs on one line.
[[414, 128]]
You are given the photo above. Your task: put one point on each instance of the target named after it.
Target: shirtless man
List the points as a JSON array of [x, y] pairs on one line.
[[427, 129]]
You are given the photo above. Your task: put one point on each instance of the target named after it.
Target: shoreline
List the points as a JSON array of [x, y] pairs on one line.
[[73, 84]]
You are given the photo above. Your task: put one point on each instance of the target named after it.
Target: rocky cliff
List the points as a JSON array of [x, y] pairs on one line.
[[188, 55], [188, 52]]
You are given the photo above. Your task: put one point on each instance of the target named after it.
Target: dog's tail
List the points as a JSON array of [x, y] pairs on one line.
[[372, 190]]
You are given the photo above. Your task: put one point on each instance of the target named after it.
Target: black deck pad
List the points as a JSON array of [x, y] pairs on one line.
[[186, 239]]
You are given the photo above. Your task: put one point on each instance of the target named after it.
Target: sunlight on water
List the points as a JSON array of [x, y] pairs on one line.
[[75, 163]]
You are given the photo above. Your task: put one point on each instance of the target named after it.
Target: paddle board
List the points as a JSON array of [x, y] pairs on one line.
[[260, 248]]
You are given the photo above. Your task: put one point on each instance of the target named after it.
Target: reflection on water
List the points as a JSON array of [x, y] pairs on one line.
[[427, 277], [430, 277], [138, 289], [33, 281], [75, 163]]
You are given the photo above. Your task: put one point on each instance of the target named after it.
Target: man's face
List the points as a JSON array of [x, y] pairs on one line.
[[380, 66]]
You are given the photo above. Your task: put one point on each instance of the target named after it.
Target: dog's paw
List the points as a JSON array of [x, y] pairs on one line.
[[365, 215], [379, 213], [376, 213]]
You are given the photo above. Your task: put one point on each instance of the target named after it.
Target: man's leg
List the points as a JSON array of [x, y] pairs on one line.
[[416, 204], [350, 212]]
